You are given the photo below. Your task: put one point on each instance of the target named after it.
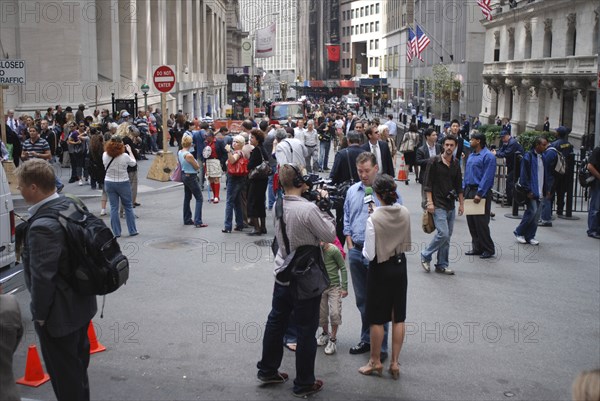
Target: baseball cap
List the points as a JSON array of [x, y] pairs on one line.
[[504, 132], [562, 130], [124, 113]]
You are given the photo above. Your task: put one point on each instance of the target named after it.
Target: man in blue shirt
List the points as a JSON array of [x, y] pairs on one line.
[[478, 183], [509, 148], [534, 179], [356, 212]]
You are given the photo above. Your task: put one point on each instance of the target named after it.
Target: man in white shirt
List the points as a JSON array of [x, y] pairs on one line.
[[299, 130], [393, 127], [10, 120]]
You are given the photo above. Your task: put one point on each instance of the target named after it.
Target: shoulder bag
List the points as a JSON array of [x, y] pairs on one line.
[[304, 269], [176, 174], [239, 168], [263, 170]]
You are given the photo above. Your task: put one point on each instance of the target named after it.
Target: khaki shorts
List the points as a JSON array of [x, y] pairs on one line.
[[331, 306]]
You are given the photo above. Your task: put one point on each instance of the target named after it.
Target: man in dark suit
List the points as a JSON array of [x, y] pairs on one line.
[[380, 149], [350, 123], [425, 153], [344, 169], [455, 130], [13, 139], [61, 316], [11, 328]]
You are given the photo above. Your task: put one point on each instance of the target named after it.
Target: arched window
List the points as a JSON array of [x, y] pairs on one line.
[[571, 35], [511, 43], [548, 38]]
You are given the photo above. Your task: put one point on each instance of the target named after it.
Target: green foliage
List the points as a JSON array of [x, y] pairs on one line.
[[526, 138], [491, 132]]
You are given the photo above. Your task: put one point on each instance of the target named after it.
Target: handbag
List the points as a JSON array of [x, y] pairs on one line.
[[304, 269], [263, 170], [239, 168], [520, 194], [428, 223], [176, 174], [407, 144]]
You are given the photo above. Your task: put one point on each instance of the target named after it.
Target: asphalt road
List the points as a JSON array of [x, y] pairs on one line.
[[189, 323]]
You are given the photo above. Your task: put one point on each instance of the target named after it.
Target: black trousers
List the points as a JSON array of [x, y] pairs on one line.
[[510, 186], [560, 189], [479, 226], [67, 359]]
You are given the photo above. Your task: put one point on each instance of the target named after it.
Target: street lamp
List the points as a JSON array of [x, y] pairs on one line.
[[145, 89], [252, 98]]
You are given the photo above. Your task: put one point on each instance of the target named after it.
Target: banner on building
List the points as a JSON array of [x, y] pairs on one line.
[[265, 41], [333, 52]]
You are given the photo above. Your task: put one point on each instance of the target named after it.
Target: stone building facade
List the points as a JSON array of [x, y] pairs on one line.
[[85, 50], [541, 59]]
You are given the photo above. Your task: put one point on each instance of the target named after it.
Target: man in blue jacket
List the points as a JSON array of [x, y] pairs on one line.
[[563, 145], [534, 178], [509, 148]]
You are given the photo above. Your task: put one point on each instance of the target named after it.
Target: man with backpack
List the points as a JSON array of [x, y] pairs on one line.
[[61, 316], [557, 168], [560, 181]]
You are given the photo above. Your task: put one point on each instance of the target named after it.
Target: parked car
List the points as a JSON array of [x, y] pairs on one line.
[[11, 273]]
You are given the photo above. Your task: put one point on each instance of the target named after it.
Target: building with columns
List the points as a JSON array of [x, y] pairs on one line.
[[85, 50], [541, 59]]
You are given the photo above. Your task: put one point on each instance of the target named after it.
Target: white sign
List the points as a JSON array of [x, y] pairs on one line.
[[265, 41], [238, 87], [247, 50], [12, 72]]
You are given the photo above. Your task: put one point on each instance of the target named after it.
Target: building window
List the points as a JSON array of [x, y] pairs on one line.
[[372, 24], [362, 28], [548, 43], [527, 52], [377, 8], [370, 45], [343, 15], [511, 44], [367, 11], [362, 11], [595, 38], [353, 14], [496, 46], [372, 8], [377, 26], [376, 44], [376, 61], [571, 40], [371, 62], [353, 30]]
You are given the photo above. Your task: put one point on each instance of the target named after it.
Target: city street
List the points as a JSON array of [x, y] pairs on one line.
[[189, 322]]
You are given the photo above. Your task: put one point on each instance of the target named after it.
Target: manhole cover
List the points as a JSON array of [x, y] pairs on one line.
[[264, 242], [175, 243]]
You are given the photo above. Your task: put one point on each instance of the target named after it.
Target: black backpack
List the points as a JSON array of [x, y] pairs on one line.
[[97, 265], [584, 175]]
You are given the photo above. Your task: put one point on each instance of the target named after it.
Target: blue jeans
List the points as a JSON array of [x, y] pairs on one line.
[[324, 154], [529, 223], [122, 191], [235, 186], [546, 214], [444, 224], [358, 270], [594, 209], [271, 194], [306, 316], [191, 186]]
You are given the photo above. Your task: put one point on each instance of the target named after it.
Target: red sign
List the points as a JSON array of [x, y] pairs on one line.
[[333, 52], [164, 78]]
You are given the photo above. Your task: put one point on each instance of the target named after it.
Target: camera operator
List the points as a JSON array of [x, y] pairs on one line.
[[343, 170], [359, 200], [442, 187], [304, 224]]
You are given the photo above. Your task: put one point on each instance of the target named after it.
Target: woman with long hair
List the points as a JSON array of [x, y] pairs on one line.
[[386, 279], [116, 183], [131, 137], [258, 186], [408, 146], [98, 173]]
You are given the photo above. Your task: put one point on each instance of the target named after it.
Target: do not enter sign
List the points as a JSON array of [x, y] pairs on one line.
[[164, 78]]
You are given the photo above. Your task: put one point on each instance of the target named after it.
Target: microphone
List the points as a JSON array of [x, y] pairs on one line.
[[368, 195]]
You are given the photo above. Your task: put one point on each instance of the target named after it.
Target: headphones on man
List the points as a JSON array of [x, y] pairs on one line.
[[299, 179]]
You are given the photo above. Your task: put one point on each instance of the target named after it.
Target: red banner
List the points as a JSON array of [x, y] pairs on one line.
[[333, 52]]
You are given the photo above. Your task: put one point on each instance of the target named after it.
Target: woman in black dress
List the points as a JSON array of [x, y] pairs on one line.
[[386, 279], [258, 186]]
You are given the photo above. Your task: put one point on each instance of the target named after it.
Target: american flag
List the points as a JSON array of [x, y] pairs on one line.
[[422, 41], [409, 45], [486, 9]]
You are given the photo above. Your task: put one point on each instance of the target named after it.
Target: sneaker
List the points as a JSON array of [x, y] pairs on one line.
[[520, 239], [330, 348], [322, 339], [426, 265], [80, 182], [277, 378], [103, 212], [542, 223], [533, 241]]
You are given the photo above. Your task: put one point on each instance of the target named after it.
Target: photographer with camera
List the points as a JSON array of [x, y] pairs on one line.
[[298, 223], [360, 200], [442, 187]]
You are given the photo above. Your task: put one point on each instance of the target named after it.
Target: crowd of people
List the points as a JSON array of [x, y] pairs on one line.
[[267, 167]]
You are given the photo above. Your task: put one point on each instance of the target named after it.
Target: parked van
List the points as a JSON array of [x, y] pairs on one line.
[[280, 111], [11, 274]]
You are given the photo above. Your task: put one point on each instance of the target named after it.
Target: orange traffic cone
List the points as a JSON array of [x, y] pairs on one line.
[[402, 170], [95, 345], [34, 372]]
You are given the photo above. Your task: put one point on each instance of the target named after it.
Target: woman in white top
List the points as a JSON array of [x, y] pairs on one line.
[[116, 183], [386, 279]]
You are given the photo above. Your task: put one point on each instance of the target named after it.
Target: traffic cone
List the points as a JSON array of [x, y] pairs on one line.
[[402, 170], [34, 372], [95, 345]]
